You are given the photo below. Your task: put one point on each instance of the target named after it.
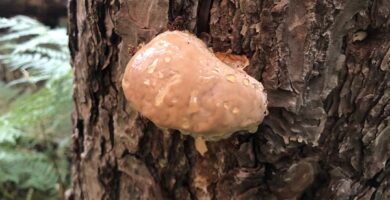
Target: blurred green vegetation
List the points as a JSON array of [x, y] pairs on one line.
[[35, 110]]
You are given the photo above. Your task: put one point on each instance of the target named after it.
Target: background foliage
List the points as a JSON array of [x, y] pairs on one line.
[[35, 106]]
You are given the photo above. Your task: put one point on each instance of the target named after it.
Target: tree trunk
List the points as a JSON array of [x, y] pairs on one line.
[[324, 64]]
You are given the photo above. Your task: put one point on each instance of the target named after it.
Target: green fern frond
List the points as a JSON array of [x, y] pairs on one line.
[[19, 22], [40, 118], [26, 169], [44, 107], [37, 64], [16, 34], [20, 26], [26, 44], [7, 95], [56, 38], [8, 133], [28, 79]]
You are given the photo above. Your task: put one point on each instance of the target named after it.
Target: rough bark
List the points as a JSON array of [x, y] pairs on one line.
[[326, 135]]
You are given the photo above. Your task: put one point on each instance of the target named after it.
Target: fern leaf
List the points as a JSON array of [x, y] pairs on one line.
[[44, 107], [8, 134], [18, 34], [26, 44], [39, 174], [37, 118], [18, 22]]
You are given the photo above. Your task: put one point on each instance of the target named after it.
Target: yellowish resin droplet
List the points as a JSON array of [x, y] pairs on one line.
[[252, 129], [147, 82], [231, 78], [167, 59], [185, 125], [200, 145]]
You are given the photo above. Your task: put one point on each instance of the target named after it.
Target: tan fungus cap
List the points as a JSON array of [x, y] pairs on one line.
[[178, 83]]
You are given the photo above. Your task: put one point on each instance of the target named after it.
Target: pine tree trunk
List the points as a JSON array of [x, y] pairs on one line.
[[325, 66]]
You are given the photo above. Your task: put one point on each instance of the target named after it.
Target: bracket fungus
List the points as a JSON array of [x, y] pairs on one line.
[[178, 83]]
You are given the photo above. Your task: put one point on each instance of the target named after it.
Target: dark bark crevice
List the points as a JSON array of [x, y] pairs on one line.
[[203, 17], [72, 28]]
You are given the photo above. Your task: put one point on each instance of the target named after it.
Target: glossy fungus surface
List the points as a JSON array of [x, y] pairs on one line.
[[178, 83]]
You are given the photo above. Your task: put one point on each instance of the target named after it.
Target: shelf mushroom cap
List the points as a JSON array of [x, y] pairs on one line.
[[178, 83]]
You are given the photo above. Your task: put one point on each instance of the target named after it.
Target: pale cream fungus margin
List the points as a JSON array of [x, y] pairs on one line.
[[178, 83]]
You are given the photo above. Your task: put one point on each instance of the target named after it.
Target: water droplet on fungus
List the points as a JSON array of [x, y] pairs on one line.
[[217, 70], [231, 78], [165, 90], [152, 67], [193, 104], [226, 106], [235, 110], [246, 82]]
